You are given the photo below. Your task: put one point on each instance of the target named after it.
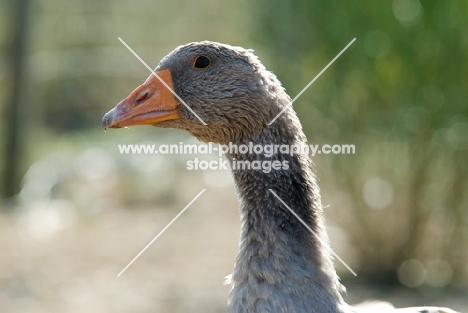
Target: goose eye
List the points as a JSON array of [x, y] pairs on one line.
[[201, 62]]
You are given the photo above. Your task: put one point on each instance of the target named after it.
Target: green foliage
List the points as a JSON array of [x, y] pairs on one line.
[[399, 94]]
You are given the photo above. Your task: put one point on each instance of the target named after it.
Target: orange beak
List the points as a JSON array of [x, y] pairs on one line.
[[149, 104]]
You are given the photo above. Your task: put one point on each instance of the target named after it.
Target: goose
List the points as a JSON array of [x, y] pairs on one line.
[[223, 94]]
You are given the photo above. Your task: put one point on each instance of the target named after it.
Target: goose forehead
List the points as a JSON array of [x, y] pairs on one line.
[[212, 46], [209, 48]]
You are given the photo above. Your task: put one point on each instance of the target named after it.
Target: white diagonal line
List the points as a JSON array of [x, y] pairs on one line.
[[163, 82], [324, 243], [311, 82], [160, 233]]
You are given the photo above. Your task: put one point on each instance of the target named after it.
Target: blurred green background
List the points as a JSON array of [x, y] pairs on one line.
[[75, 211]]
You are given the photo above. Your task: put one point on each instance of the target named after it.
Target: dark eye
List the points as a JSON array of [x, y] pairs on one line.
[[201, 62]]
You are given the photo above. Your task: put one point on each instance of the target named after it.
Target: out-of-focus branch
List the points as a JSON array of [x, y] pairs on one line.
[[15, 110]]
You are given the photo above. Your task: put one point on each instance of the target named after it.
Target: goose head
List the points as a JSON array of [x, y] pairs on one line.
[[226, 87]]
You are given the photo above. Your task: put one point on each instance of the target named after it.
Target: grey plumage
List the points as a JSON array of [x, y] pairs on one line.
[[281, 266]]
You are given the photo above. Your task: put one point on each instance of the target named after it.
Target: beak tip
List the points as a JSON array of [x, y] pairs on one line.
[[107, 120]]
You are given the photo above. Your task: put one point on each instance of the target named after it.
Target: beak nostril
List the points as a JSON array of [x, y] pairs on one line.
[[142, 97]]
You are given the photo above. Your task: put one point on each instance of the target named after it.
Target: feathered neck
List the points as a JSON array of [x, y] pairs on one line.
[[281, 266]]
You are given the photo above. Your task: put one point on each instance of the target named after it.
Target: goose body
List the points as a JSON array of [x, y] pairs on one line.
[[281, 266]]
